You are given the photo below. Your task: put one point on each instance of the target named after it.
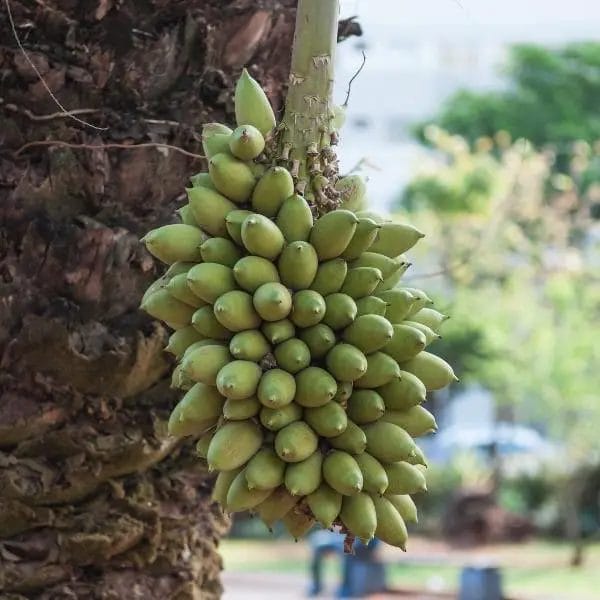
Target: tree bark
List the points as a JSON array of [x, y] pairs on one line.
[[95, 500]]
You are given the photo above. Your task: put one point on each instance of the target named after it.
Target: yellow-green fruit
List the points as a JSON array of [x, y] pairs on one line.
[[325, 504], [405, 505], [196, 411], [406, 343], [211, 280], [430, 335], [251, 272], [292, 355], [203, 364], [386, 265], [369, 214], [314, 387], [364, 236], [295, 219], [202, 179], [178, 288], [173, 243], [391, 528], [387, 442], [308, 308], [332, 233], [276, 506], [353, 192], [365, 406], [235, 310], [304, 477], [276, 388], [215, 138], [434, 372], [232, 177], [404, 392], [392, 281], [395, 238], [298, 523], [375, 479], [358, 515], [272, 301], [432, 318], [233, 224], [203, 443], [201, 343], [319, 338], [220, 250], [344, 392], [265, 470], [369, 333], [328, 420], [381, 369], [252, 105], [239, 379], [361, 282], [295, 442], [181, 340], [240, 410], [417, 457], [262, 237], [352, 440], [205, 323], [399, 303], [340, 310], [275, 419], [249, 345], [342, 473], [330, 277], [186, 215], [175, 313], [272, 189], [233, 444], [179, 381], [222, 485], [246, 142], [241, 497], [422, 300], [279, 331], [346, 362], [404, 478], [416, 421], [371, 305], [298, 265], [210, 209]]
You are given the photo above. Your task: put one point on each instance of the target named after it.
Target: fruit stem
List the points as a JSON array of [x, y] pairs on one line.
[[306, 129]]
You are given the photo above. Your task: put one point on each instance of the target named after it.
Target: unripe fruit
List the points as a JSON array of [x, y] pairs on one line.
[[330, 277], [272, 301], [179, 289], [186, 215], [399, 304], [346, 362], [406, 343], [434, 372], [303, 478], [422, 300], [405, 505], [430, 335], [249, 345], [298, 265], [203, 364], [236, 312], [386, 265], [340, 311], [319, 338], [328, 420], [375, 479], [246, 142], [390, 525], [210, 280], [215, 138], [332, 233], [233, 224], [404, 392], [371, 305], [199, 409], [314, 387], [308, 308], [381, 369], [252, 105], [298, 523], [265, 470], [241, 497], [352, 439], [272, 189], [325, 504], [251, 272], [276, 388], [220, 250], [202, 180], [295, 219], [233, 444], [387, 442], [172, 243], [416, 421], [343, 393], [203, 443], [210, 210], [295, 442], [205, 323], [275, 419], [369, 333], [232, 177], [417, 457], [292, 355], [239, 379], [262, 237], [342, 473], [394, 239], [365, 406], [161, 305], [369, 214], [404, 478], [276, 506], [240, 410], [361, 282], [365, 234], [358, 515], [432, 318], [222, 485], [353, 192], [181, 340], [392, 281], [278, 331]]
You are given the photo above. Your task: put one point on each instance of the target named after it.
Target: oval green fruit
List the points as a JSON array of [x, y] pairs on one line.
[[295, 219], [369, 333], [233, 224], [215, 138], [303, 478], [387, 442], [220, 250], [235, 310], [404, 392], [240, 410], [233, 444], [272, 189], [330, 276], [295, 442], [416, 421], [314, 387], [252, 105], [406, 343], [210, 210], [205, 323], [210, 280], [265, 470], [399, 303], [262, 237], [249, 345], [222, 485], [375, 479], [386, 265], [364, 236], [395, 238], [181, 340], [293, 355], [430, 335], [325, 504], [381, 369], [232, 177], [276, 388], [319, 338], [239, 379], [358, 515], [174, 243], [332, 233], [276, 506], [405, 478], [179, 289], [203, 364], [246, 142], [340, 311], [298, 265], [432, 318], [272, 301], [251, 272], [365, 406], [199, 409], [328, 420], [390, 525], [433, 371], [352, 440], [161, 305], [308, 308], [371, 305], [275, 419], [346, 362], [342, 473], [240, 497], [279, 331], [361, 282], [405, 505], [203, 443]]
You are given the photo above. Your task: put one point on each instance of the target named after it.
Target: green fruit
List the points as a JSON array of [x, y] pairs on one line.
[[361, 282], [240, 497], [386, 265], [422, 300], [233, 444], [262, 237], [203, 443], [161, 305], [417, 458], [222, 485], [279, 331], [319, 338], [203, 364], [394, 239], [220, 250], [314, 387], [381, 369], [364, 236], [246, 142], [343, 393], [295, 442], [371, 305], [179, 381], [233, 224], [202, 180], [391, 528], [272, 189], [332, 233], [434, 372], [239, 379], [392, 281], [358, 515], [330, 277], [353, 192], [308, 308], [346, 362], [340, 311], [295, 219], [240, 410], [292, 355], [210, 280], [352, 440], [186, 215], [405, 479], [251, 272], [387, 442], [369, 333], [405, 505], [375, 479], [365, 406], [235, 310], [201, 343], [276, 388], [328, 420], [181, 340], [432, 318], [298, 523], [199, 409], [265, 470], [404, 392], [252, 105], [210, 210], [179, 289], [303, 478], [276, 506], [430, 335], [249, 345], [399, 303], [369, 214], [275, 419], [215, 138], [298, 265], [342, 473], [205, 323], [173, 243], [416, 421], [325, 504], [232, 177], [406, 343], [272, 301]]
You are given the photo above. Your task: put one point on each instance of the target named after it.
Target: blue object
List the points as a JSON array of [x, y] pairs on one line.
[[480, 583], [363, 573]]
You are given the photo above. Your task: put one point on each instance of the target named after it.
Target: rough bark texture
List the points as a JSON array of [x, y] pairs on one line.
[[95, 500]]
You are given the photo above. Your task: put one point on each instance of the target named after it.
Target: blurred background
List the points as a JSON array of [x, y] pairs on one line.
[[479, 122]]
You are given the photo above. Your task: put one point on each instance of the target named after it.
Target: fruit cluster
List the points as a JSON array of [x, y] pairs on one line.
[[303, 360]]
